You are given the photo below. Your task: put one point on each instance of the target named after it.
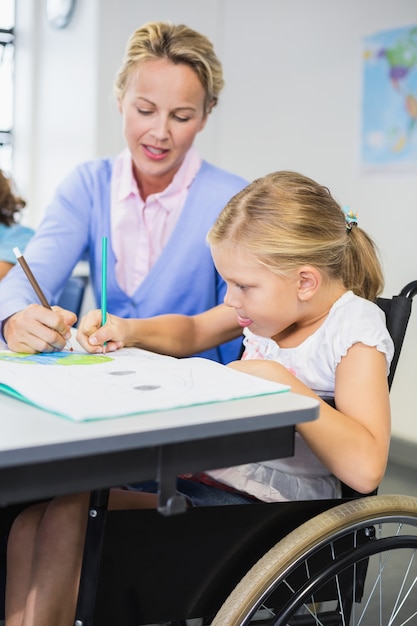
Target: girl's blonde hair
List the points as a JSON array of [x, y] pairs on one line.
[[179, 44], [285, 220]]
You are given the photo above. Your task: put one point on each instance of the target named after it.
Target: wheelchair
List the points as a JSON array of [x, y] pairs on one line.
[[284, 563]]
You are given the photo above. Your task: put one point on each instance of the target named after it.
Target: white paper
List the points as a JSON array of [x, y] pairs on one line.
[[84, 386]]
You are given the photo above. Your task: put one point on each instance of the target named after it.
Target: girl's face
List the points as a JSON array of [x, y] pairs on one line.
[[163, 110], [264, 301]]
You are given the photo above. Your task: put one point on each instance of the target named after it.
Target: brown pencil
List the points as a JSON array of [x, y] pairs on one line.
[[25, 267], [29, 274]]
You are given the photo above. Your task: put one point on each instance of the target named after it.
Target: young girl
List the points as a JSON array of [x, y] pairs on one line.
[[301, 276]]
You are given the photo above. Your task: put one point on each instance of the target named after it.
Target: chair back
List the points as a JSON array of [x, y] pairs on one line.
[[72, 296], [397, 313]]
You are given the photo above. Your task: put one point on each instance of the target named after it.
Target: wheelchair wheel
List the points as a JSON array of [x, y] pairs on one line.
[[333, 570]]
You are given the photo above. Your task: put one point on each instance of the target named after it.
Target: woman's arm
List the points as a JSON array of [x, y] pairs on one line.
[[52, 253], [176, 335], [352, 441]]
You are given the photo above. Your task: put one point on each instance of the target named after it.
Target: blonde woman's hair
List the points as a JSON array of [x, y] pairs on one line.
[[285, 220], [179, 44]]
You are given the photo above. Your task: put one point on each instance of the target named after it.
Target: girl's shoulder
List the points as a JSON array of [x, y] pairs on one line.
[[353, 319], [14, 236], [15, 231], [353, 308]]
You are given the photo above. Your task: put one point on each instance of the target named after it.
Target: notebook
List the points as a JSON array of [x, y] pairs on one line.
[[82, 386]]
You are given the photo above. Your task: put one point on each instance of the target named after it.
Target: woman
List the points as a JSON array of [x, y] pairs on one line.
[[155, 202]]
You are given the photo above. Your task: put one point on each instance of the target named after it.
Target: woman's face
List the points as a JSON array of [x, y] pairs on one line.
[[163, 110]]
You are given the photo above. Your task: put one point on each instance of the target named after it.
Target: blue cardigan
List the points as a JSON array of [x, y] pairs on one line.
[[183, 279]]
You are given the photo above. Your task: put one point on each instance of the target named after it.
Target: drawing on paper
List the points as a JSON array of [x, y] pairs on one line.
[[55, 358], [128, 382]]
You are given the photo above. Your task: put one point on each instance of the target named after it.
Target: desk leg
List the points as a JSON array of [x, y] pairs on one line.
[[92, 556], [169, 501]]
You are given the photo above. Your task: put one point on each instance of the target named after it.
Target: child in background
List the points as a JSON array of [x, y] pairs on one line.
[[301, 276], [12, 234]]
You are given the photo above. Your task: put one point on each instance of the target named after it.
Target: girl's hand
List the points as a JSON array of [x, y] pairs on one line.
[[94, 337]]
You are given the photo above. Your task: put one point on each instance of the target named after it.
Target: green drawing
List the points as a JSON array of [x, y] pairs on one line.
[[55, 358]]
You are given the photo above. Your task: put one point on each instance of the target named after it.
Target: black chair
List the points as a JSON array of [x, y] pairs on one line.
[[72, 295], [397, 312], [297, 561]]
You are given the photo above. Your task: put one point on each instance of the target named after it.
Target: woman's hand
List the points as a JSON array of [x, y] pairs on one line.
[[38, 329]]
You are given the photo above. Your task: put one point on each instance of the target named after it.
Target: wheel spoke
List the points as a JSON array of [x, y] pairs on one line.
[[398, 606]]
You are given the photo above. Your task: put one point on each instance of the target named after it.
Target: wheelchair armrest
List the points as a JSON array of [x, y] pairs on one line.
[[329, 400]]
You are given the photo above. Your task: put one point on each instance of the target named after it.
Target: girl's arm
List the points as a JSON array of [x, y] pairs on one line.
[[352, 441], [176, 335]]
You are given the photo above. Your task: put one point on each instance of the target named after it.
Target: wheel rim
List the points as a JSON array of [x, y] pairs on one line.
[[380, 531], [389, 615]]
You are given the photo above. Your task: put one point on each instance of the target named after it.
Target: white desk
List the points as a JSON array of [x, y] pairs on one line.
[[42, 455]]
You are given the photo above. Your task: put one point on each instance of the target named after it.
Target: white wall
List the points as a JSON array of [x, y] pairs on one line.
[[56, 98], [292, 100]]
